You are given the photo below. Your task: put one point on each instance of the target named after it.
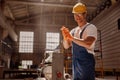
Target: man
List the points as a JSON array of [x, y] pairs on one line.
[[82, 39]]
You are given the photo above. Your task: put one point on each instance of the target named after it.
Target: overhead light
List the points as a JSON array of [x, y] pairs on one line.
[[61, 0], [42, 0]]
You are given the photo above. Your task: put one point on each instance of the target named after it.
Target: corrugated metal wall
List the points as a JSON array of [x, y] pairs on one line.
[[107, 22]]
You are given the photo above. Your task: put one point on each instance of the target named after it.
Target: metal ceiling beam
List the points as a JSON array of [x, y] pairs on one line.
[[44, 4]]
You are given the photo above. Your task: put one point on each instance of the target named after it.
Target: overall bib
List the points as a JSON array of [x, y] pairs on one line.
[[83, 63]]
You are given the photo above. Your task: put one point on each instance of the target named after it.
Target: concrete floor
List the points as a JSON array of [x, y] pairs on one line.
[[105, 78], [108, 78]]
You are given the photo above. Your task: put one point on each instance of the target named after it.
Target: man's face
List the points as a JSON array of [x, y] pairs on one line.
[[79, 17]]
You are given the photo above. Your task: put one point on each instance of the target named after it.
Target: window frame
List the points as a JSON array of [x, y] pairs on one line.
[[27, 44]]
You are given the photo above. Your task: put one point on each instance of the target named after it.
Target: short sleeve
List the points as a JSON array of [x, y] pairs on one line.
[[92, 31], [72, 31]]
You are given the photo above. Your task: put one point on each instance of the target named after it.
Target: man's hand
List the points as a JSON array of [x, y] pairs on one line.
[[65, 31], [66, 34], [69, 37]]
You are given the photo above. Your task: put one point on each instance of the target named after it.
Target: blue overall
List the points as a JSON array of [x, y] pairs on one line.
[[83, 63]]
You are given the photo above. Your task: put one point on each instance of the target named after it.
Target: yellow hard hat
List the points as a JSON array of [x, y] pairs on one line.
[[79, 8]]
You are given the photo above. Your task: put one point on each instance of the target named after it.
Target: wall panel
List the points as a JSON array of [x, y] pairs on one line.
[[107, 23]]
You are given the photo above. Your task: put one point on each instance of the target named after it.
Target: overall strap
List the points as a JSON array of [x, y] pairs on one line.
[[83, 31]]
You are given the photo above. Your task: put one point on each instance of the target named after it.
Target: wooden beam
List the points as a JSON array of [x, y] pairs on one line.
[[45, 4], [39, 15], [6, 25], [10, 12], [27, 10], [35, 24], [38, 3]]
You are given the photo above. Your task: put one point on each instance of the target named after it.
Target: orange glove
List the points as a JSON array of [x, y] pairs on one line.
[[65, 32], [69, 36]]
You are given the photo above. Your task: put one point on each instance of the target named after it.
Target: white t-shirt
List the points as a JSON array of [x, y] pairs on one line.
[[90, 30]]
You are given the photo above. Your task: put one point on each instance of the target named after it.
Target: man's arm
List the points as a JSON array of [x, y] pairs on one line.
[[67, 44], [85, 43]]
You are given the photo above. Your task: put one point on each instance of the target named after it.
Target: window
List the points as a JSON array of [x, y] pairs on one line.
[[26, 63], [26, 42], [52, 40]]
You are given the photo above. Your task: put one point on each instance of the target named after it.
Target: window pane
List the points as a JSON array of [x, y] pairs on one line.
[[52, 40], [26, 63], [26, 42]]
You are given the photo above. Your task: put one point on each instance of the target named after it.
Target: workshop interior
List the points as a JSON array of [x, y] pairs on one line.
[[31, 41]]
